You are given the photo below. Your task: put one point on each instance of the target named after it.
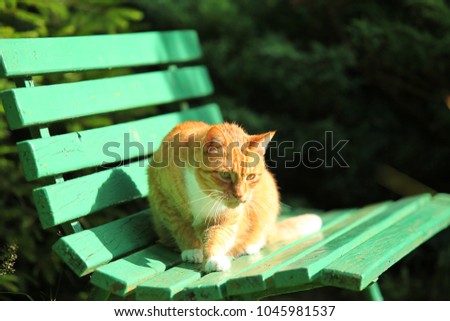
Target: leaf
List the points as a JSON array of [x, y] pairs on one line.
[[67, 30], [5, 150], [8, 5], [9, 282], [30, 17], [130, 14], [7, 32]]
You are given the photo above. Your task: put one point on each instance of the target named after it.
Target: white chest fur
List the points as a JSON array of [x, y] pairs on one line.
[[203, 207]]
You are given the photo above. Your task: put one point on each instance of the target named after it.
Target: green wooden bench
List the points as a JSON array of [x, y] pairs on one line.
[[353, 249]]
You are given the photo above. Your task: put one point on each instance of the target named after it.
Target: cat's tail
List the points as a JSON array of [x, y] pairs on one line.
[[295, 227]]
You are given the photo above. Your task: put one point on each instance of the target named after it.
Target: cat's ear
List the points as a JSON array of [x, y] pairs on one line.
[[215, 140], [260, 142]]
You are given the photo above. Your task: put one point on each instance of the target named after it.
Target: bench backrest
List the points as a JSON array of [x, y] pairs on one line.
[[64, 200]]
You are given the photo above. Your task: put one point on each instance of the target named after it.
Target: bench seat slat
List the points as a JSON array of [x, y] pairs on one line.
[[68, 152], [27, 57], [85, 251], [122, 276], [110, 277], [365, 263], [40, 105], [75, 198], [306, 269], [213, 285], [170, 284], [257, 277], [184, 282]]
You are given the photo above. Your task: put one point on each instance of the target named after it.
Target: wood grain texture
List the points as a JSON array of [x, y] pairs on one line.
[[27, 57], [85, 251], [213, 286], [68, 152], [253, 276], [40, 105], [123, 275], [72, 199], [259, 277], [170, 284], [303, 270], [365, 263]]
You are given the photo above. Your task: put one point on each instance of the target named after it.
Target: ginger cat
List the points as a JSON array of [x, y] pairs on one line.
[[212, 196]]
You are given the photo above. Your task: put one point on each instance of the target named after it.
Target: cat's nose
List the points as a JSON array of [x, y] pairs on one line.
[[239, 196]]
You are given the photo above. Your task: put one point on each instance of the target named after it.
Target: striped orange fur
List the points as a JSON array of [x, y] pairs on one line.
[[211, 195]]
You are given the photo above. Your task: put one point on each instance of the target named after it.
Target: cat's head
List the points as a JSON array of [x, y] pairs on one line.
[[233, 163]]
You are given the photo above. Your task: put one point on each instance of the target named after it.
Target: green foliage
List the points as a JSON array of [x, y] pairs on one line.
[[38, 272], [8, 257], [34, 18]]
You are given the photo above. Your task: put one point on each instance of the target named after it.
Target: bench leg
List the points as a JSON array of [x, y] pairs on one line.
[[98, 294], [373, 292]]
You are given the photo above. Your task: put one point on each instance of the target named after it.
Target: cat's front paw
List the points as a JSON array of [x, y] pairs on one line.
[[254, 248], [192, 256], [219, 263]]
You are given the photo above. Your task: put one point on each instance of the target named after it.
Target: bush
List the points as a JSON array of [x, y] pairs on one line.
[[39, 274]]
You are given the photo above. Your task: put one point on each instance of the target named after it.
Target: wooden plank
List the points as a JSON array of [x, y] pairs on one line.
[[122, 276], [306, 267], [63, 153], [168, 285], [39, 105], [72, 199], [85, 251], [366, 262], [443, 199], [258, 278], [27, 57], [213, 285]]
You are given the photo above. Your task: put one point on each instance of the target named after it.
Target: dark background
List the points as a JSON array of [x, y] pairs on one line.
[[375, 73]]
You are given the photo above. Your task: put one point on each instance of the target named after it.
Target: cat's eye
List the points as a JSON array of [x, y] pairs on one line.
[[226, 176], [251, 177]]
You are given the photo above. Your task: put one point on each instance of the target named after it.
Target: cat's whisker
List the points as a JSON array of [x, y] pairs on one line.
[[212, 193], [221, 201], [214, 209], [263, 206], [182, 185], [252, 207], [199, 199], [211, 200], [213, 190], [208, 216], [257, 210], [216, 214]]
